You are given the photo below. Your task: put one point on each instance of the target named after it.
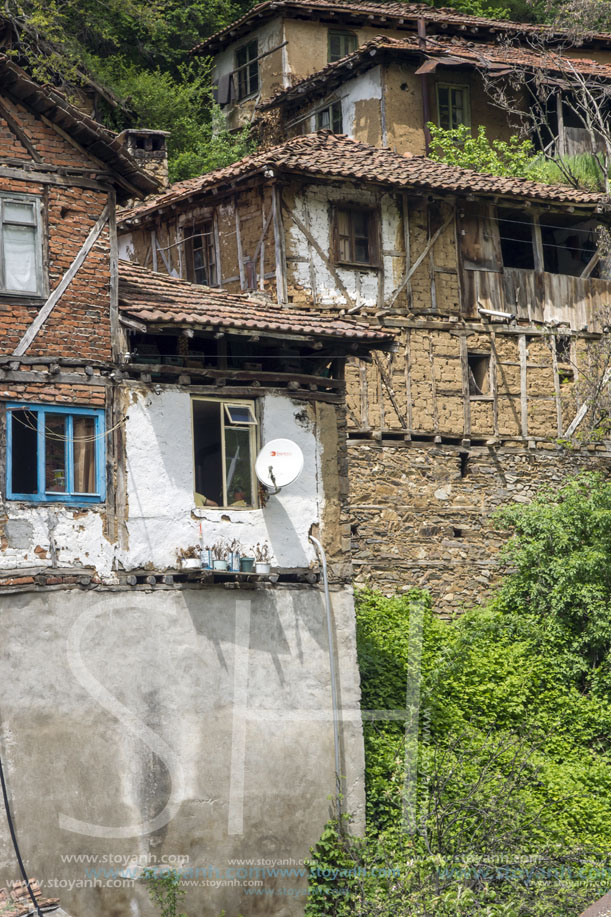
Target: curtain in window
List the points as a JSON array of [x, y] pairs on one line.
[[19, 258], [84, 454]]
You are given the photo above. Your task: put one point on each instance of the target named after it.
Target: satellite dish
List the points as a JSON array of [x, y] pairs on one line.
[[280, 462]]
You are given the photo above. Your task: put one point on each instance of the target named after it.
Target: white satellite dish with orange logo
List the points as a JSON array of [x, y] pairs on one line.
[[280, 462]]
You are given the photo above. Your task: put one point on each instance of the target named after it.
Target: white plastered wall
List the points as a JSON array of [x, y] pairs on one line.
[[269, 36], [363, 87], [163, 521], [313, 206]]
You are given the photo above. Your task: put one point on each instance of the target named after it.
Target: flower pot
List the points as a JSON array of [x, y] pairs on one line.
[[247, 564], [220, 564], [261, 567]]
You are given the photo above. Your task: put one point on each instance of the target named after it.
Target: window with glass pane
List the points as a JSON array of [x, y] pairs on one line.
[[55, 454], [202, 254], [453, 106], [224, 447], [340, 44], [20, 246], [330, 118], [247, 69], [356, 235]]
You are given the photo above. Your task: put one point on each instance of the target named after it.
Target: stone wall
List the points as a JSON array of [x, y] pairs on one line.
[[422, 512]]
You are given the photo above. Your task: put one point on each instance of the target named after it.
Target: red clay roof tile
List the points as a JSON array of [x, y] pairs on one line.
[[159, 299], [334, 156]]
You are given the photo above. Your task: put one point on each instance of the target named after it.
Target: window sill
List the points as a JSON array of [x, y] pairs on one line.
[[24, 299], [481, 398], [201, 511], [30, 500]]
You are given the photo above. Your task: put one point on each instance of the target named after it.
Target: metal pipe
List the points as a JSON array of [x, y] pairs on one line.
[[338, 780], [505, 316]]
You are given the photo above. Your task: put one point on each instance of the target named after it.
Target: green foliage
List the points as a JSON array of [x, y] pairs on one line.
[[511, 811], [138, 50], [513, 158], [489, 9], [458, 147], [164, 890]]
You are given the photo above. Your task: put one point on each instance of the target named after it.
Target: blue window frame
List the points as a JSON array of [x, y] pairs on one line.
[[55, 454]]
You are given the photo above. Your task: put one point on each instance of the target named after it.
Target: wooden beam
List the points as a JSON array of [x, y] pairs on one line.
[[556, 385], [53, 299], [391, 394], [523, 391], [21, 135], [279, 244], [429, 245], [494, 384], [408, 379], [238, 236], [466, 391]]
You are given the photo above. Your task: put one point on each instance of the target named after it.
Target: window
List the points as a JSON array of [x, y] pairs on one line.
[[516, 232], [55, 454], [479, 373], [224, 448], [247, 69], [201, 254], [453, 106], [21, 246], [340, 44], [568, 244], [330, 118], [356, 236]]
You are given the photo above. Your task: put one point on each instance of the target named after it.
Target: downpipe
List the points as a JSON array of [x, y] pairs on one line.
[[322, 557]]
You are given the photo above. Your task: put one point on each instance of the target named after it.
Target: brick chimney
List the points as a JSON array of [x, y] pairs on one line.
[[150, 150]]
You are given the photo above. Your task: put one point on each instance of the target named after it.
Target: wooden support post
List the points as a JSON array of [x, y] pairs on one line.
[[408, 381], [116, 334], [433, 388], [279, 244], [556, 386], [154, 249], [407, 245], [387, 381], [494, 384], [238, 237], [466, 391], [364, 395], [523, 390]]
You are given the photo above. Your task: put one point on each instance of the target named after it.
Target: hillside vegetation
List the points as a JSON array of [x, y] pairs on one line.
[[491, 795]]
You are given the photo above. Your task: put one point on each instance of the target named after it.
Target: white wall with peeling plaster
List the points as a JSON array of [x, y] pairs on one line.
[[165, 530], [314, 207], [163, 522]]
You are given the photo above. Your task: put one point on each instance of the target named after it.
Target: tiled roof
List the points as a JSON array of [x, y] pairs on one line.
[[394, 15], [334, 156], [92, 136], [16, 902], [484, 55], [159, 299]]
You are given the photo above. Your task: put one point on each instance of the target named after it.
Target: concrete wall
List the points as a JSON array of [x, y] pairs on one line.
[[187, 727]]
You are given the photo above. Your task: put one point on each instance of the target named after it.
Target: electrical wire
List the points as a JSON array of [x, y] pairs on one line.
[[11, 827], [58, 436]]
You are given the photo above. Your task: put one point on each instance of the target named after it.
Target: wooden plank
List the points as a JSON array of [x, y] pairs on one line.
[[279, 244], [49, 178], [115, 330], [433, 387], [523, 391], [494, 384], [556, 385], [364, 396], [60, 289], [238, 237], [408, 380], [466, 392], [407, 245], [154, 249]]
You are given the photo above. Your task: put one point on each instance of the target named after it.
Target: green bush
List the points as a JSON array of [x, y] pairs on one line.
[[511, 810]]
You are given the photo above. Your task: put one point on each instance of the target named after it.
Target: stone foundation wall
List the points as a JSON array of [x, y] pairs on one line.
[[421, 512]]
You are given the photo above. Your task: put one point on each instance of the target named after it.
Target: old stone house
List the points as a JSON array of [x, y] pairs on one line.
[[493, 285], [155, 709], [278, 43], [387, 91]]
